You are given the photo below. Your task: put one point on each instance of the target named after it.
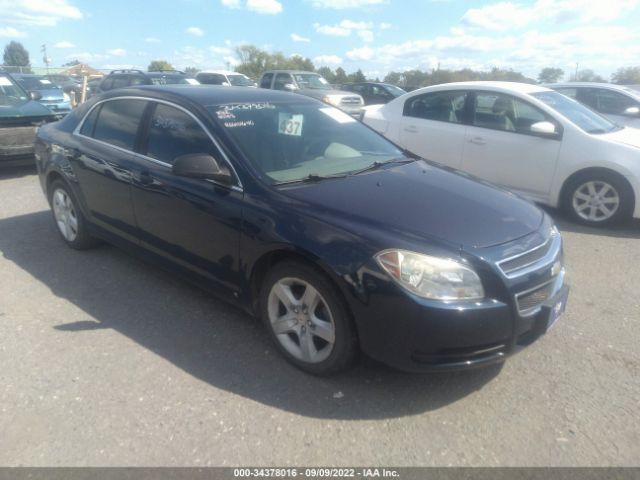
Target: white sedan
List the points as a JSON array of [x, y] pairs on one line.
[[530, 139]]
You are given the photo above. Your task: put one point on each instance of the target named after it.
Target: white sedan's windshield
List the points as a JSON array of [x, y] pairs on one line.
[[291, 142], [583, 117]]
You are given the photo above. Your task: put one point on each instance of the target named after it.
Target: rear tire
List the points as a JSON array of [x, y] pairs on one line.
[[598, 199], [307, 319], [68, 217]]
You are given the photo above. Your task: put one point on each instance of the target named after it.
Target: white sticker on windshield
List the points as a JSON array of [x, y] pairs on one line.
[[5, 82], [338, 115], [44, 81], [192, 81], [290, 124]]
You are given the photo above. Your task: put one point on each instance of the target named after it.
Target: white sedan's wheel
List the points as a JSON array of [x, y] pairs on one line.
[[596, 201]]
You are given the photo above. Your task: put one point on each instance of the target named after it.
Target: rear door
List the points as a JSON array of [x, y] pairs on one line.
[[103, 163], [500, 147], [192, 222], [432, 126]]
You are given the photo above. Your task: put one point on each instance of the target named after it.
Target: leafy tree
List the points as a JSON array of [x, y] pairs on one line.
[[626, 76], [191, 71], [587, 75], [158, 65], [328, 74], [341, 76], [395, 78], [550, 75], [15, 55], [254, 61], [357, 77]]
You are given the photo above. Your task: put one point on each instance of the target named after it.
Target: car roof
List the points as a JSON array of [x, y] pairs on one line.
[[526, 88], [209, 94], [291, 71], [608, 86], [221, 72]]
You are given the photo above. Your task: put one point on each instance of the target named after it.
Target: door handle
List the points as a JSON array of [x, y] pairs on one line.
[[477, 140], [411, 129]]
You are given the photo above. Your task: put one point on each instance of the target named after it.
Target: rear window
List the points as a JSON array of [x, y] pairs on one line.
[[118, 122]]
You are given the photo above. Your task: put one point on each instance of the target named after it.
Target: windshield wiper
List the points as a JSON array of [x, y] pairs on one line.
[[312, 177], [375, 165]]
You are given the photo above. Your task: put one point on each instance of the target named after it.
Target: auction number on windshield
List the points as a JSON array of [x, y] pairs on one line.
[[290, 124]]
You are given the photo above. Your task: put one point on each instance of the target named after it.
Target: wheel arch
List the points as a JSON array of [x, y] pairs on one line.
[[594, 171]]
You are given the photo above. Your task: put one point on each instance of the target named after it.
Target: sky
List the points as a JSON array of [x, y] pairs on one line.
[[376, 36]]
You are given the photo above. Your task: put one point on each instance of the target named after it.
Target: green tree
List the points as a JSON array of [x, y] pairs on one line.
[[191, 71], [550, 75], [15, 55], [626, 76], [587, 75], [394, 78], [341, 76], [328, 74], [159, 65], [357, 76], [254, 61]]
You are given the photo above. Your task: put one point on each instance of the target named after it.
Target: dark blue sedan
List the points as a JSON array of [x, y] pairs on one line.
[[339, 240]]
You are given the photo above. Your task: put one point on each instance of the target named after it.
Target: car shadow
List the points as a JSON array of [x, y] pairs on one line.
[[629, 229], [209, 339], [7, 173]]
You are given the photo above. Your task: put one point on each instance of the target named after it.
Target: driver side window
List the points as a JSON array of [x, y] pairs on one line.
[[499, 111], [281, 80]]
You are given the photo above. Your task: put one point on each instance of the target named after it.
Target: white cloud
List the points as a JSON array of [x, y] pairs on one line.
[[12, 32], [152, 40], [508, 15], [195, 31], [364, 53], [64, 44], [345, 28], [327, 60], [230, 3], [42, 13], [270, 7], [220, 50], [384, 26], [298, 38], [117, 52], [343, 4], [86, 56]]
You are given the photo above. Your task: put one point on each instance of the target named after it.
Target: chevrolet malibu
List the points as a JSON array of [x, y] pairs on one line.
[[337, 239]]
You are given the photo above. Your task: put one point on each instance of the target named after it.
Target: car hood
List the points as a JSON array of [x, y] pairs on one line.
[[52, 94], [24, 109], [419, 199], [627, 135], [320, 93]]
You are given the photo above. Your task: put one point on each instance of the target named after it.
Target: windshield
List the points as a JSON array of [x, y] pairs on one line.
[[240, 81], [291, 142], [395, 91], [36, 83], [583, 117], [10, 92], [311, 80]]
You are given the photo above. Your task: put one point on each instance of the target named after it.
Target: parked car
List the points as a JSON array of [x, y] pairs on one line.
[[314, 86], [20, 115], [72, 86], [374, 93], [224, 78], [528, 138], [618, 103], [51, 95], [130, 78], [306, 218]]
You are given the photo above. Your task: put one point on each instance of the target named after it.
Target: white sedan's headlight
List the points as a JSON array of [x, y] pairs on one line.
[[431, 277]]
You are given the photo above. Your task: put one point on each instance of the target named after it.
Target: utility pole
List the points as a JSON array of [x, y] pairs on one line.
[[575, 77], [45, 59]]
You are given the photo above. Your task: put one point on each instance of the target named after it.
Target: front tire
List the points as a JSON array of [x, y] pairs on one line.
[[68, 217], [307, 319], [598, 199]]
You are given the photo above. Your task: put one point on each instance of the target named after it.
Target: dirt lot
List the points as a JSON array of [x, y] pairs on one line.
[[106, 360]]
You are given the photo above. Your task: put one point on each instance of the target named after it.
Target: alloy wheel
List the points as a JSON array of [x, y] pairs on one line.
[[65, 214], [595, 201]]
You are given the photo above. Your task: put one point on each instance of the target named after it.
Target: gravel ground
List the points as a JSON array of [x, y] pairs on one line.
[[106, 360]]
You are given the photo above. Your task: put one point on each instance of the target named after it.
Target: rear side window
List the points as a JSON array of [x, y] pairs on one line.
[[118, 122], [90, 122], [266, 80], [211, 78], [173, 133], [281, 80], [439, 106], [138, 81], [120, 82]]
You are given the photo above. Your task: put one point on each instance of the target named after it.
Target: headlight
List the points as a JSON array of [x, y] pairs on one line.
[[66, 97], [431, 277], [332, 99]]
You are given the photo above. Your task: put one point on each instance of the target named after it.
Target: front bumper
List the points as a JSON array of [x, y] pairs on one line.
[[17, 145], [415, 334]]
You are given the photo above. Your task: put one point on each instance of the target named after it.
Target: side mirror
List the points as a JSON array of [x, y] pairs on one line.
[[290, 87], [200, 165], [545, 129], [632, 111], [35, 95]]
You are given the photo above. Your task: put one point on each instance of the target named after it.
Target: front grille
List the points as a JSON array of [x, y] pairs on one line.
[[534, 259], [350, 101], [531, 300]]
